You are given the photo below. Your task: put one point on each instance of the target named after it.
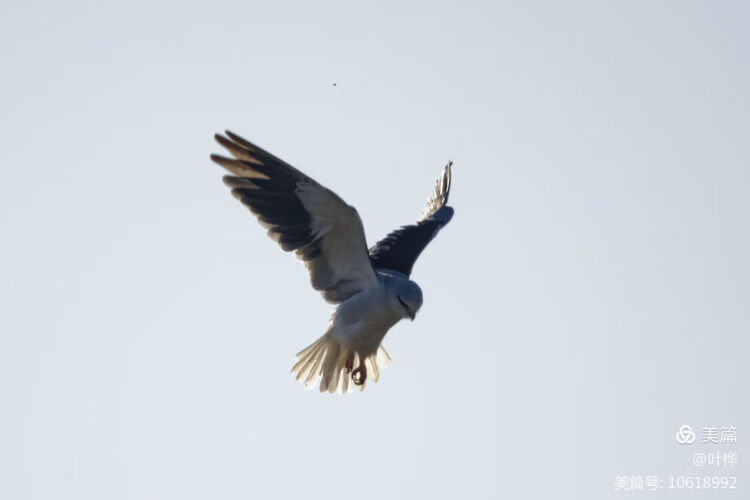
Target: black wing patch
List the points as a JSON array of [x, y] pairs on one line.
[[266, 185], [399, 250], [291, 205]]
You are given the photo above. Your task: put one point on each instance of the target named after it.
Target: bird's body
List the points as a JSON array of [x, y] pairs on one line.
[[362, 320], [372, 288]]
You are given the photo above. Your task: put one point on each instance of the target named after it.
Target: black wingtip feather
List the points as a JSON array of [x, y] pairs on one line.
[[241, 141]]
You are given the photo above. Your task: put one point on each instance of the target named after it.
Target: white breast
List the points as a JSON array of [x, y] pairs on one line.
[[362, 321]]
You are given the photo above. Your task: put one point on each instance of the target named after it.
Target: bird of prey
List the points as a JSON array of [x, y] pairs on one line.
[[371, 287]]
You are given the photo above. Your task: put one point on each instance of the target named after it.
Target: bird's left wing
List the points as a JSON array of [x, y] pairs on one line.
[[399, 250], [301, 216]]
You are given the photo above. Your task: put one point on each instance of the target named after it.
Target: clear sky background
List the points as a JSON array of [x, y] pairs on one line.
[[589, 297]]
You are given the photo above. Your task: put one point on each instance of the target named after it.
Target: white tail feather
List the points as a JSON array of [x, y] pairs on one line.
[[326, 360]]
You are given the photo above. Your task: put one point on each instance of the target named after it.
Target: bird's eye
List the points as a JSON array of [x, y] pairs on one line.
[[403, 303]]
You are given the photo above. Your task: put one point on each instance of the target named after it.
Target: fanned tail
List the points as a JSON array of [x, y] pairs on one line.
[[338, 367]]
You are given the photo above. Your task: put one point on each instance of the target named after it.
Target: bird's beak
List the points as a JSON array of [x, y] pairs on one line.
[[412, 315]]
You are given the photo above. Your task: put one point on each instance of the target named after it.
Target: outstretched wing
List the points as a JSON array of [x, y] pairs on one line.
[[301, 216], [399, 250]]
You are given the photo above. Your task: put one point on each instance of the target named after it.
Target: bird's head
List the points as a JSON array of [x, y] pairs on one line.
[[408, 298]]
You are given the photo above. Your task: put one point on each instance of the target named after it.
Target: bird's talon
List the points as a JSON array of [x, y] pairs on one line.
[[359, 375]]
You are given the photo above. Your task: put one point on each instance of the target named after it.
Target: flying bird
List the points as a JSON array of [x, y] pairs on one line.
[[371, 287]]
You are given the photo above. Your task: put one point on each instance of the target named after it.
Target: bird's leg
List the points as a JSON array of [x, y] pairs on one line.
[[349, 363], [359, 375]]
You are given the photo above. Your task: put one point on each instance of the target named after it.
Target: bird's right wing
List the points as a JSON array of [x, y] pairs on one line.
[[300, 215], [399, 250]]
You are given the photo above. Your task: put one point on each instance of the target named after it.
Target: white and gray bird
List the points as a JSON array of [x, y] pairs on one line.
[[371, 287]]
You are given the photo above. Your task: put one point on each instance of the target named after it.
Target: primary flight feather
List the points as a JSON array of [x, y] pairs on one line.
[[371, 287]]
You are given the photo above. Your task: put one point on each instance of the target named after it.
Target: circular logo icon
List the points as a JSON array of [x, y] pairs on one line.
[[685, 435]]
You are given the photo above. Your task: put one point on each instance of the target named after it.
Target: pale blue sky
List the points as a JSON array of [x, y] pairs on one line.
[[589, 297]]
